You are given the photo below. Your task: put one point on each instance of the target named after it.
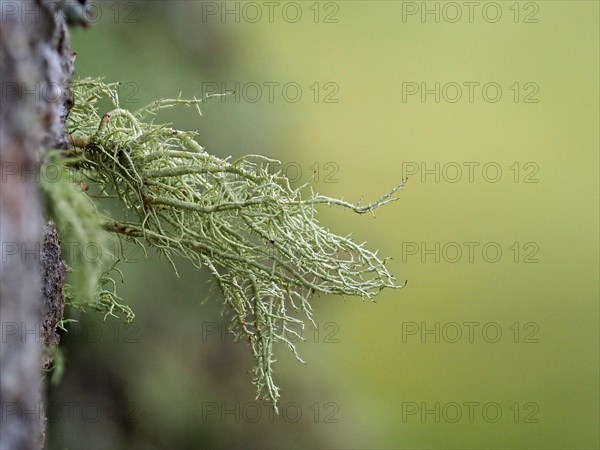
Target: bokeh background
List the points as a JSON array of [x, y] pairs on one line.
[[391, 374]]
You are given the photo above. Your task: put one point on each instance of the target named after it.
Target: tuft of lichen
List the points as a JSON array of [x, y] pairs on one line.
[[80, 224], [258, 236]]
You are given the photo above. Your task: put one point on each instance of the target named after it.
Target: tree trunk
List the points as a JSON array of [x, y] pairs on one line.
[[35, 72]]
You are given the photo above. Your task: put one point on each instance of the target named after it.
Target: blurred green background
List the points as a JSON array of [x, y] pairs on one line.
[[391, 374]]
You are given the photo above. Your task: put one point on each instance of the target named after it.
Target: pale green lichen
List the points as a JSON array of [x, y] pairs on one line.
[[79, 222], [258, 236]]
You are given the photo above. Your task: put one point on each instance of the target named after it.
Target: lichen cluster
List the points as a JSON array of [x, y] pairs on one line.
[[257, 235]]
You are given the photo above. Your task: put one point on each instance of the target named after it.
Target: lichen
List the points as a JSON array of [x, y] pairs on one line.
[[257, 236]]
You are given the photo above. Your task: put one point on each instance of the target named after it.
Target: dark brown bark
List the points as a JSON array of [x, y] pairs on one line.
[[53, 300], [35, 73]]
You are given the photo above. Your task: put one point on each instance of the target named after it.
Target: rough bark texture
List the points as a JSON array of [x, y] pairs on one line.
[[35, 71], [53, 300]]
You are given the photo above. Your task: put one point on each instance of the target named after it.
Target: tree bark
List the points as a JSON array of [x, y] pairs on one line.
[[35, 71]]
